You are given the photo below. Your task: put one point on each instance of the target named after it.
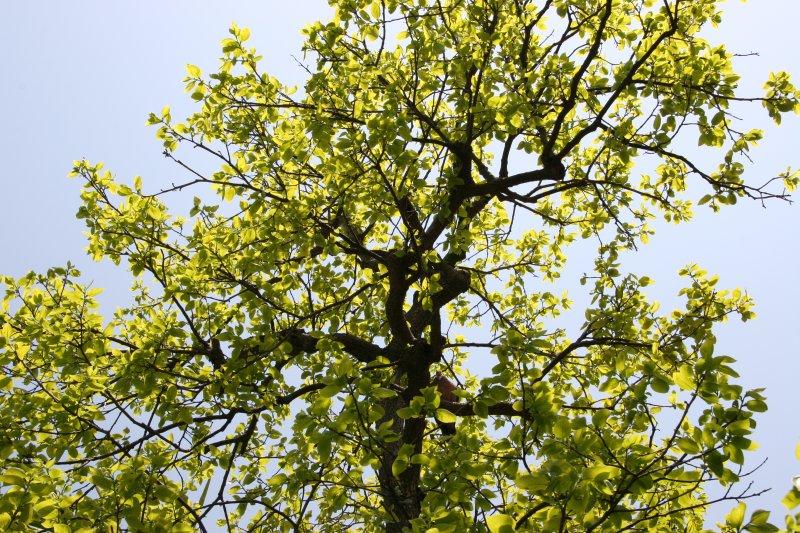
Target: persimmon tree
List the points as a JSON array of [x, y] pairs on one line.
[[402, 217]]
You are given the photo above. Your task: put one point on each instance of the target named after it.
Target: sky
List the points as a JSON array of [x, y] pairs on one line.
[[79, 79]]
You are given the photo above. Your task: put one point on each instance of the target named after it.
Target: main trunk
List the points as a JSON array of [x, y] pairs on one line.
[[402, 496]]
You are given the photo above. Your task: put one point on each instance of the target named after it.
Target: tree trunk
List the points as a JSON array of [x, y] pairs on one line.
[[401, 494]]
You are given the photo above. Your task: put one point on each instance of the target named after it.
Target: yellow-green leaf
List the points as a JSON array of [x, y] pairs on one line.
[[443, 415], [500, 523], [193, 71], [736, 517]]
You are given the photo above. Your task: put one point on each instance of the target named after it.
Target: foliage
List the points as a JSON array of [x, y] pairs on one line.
[[273, 370]]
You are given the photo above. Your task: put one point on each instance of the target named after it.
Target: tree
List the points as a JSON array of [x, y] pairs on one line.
[[275, 369]]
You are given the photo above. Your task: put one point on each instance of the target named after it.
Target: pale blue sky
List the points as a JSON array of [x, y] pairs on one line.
[[79, 79]]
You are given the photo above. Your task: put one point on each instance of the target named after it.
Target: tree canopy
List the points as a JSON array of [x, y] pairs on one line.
[[357, 329]]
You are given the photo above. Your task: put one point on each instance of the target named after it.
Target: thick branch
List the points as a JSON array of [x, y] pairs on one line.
[[362, 350], [453, 281], [555, 171], [498, 409], [288, 398]]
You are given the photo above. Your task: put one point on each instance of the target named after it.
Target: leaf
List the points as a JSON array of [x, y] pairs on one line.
[[203, 495], [759, 523], [154, 212], [46, 509], [383, 393], [165, 493], [228, 193], [532, 482], [688, 445], [684, 378], [740, 427], [13, 476], [792, 498], [599, 473], [759, 516], [229, 45], [707, 348], [756, 406], [324, 445], [399, 466], [659, 384], [407, 412], [443, 415], [562, 428], [735, 518], [420, 459], [500, 523], [329, 391]]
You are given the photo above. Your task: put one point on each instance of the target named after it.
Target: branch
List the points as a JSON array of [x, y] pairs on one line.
[[288, 398], [569, 105], [362, 350], [584, 342], [498, 409], [454, 282], [548, 172]]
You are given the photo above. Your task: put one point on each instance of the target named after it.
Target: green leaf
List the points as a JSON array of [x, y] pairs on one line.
[[757, 406], [792, 498], [420, 459], [500, 523], [407, 412], [735, 518], [688, 445], [759, 516], [707, 348], [329, 391], [533, 482], [383, 393], [684, 378], [443, 415], [659, 384], [46, 509], [193, 71], [229, 45], [761, 528], [399, 466], [164, 492], [13, 476], [154, 212], [324, 445]]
